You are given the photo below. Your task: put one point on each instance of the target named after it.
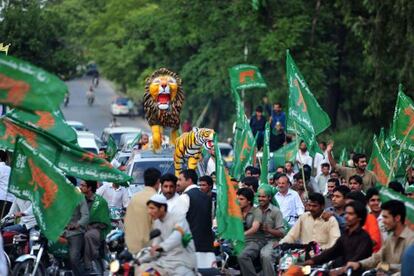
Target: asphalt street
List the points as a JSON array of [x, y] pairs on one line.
[[98, 116]]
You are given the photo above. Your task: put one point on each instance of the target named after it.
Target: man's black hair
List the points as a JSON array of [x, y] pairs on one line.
[[251, 181], [248, 169], [190, 174], [344, 190], [92, 184], [326, 165], [169, 177], [371, 192], [396, 186], [255, 170], [335, 180], [157, 204], [151, 177], [360, 210], [317, 197], [247, 193], [207, 179], [3, 156], [276, 176], [357, 196], [358, 156], [259, 109], [357, 179], [395, 208]]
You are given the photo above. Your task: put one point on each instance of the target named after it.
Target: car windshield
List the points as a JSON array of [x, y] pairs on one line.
[[117, 137], [121, 101], [164, 166]]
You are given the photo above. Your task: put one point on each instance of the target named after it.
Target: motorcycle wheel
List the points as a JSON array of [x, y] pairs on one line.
[[25, 269]]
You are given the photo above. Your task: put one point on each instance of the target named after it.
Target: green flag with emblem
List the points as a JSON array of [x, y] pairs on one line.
[[69, 157], [25, 86], [245, 76], [228, 213], [387, 194], [51, 122], [111, 148], [403, 122], [33, 177], [379, 163], [304, 111], [286, 153]]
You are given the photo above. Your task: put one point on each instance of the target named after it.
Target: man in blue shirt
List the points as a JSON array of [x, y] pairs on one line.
[[278, 116]]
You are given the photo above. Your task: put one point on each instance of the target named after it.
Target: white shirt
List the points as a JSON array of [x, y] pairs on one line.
[[173, 202], [319, 160], [23, 206], [290, 205], [183, 204], [4, 183], [115, 197], [321, 184], [290, 176], [304, 159], [211, 166]]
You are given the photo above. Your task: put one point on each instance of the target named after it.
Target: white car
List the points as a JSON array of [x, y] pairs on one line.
[[86, 140], [120, 106], [77, 126], [116, 133]]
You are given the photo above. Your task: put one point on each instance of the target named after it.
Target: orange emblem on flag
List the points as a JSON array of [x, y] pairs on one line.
[[233, 207], [46, 119], [381, 176], [41, 179], [410, 113], [246, 74], [17, 90], [13, 130], [301, 101]]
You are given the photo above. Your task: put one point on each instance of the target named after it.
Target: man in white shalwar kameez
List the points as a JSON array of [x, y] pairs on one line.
[[177, 250]]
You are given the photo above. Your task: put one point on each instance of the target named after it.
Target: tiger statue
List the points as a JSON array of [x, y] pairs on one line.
[[163, 100], [188, 147]]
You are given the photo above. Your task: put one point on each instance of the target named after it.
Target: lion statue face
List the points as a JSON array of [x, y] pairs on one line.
[[163, 90], [204, 136]]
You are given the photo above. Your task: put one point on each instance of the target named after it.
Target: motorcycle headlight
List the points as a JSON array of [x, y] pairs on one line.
[[34, 235], [114, 266]]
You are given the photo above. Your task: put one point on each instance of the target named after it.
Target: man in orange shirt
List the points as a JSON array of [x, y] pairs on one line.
[[371, 224]]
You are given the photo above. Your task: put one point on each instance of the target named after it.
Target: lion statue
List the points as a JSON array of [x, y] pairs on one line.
[[163, 100], [188, 147]]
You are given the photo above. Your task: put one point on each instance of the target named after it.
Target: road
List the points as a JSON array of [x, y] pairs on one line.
[[97, 116]]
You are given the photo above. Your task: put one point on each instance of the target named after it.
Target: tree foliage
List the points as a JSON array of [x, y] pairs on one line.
[[352, 53]]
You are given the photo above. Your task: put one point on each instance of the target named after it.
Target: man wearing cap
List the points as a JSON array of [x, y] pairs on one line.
[[174, 246], [410, 191], [137, 221]]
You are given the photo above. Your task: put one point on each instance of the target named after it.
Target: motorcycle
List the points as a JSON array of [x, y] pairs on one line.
[[90, 96], [48, 258], [121, 261], [15, 243], [66, 100]]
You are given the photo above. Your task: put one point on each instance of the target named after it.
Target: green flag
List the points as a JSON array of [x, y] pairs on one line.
[[111, 148], [343, 157], [304, 110], [27, 87], [99, 213], [403, 122], [136, 140], [33, 177], [379, 164], [265, 158], [244, 76], [228, 213], [70, 158], [51, 122], [286, 153], [387, 194]]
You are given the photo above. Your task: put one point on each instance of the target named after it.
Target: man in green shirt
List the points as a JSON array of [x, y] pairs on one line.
[[99, 222]]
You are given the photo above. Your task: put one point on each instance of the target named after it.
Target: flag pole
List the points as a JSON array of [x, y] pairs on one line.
[[303, 171], [399, 153]]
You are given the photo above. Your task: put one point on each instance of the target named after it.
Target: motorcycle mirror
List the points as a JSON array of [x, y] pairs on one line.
[[155, 233]]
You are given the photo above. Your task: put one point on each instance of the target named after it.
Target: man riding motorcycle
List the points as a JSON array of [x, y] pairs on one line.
[[175, 244]]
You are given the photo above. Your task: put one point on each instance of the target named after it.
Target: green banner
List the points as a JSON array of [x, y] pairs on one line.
[[387, 194], [51, 122], [244, 76], [286, 153], [304, 110], [33, 177], [111, 148], [70, 158], [265, 157], [27, 87], [403, 122], [379, 163], [228, 213]]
